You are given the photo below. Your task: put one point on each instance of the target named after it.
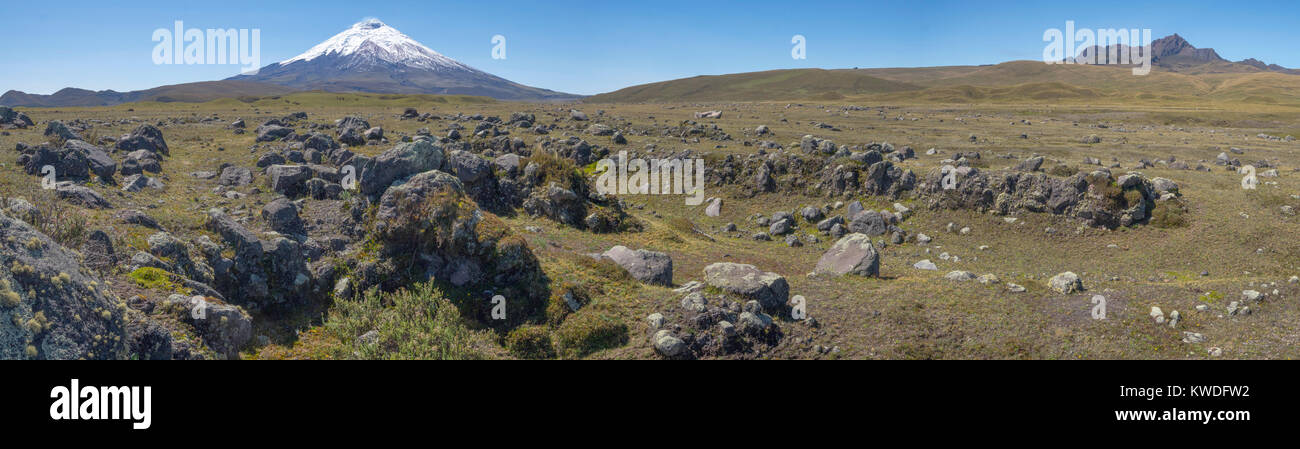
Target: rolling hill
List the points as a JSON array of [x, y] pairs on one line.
[[759, 86], [1016, 81], [1182, 73]]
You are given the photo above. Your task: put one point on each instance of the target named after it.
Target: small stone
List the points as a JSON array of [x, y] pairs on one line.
[[1193, 338], [1234, 307], [669, 345], [655, 320], [1157, 315], [960, 276], [1066, 283]]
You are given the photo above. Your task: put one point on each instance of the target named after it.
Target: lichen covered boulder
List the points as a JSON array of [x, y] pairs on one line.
[[51, 308]]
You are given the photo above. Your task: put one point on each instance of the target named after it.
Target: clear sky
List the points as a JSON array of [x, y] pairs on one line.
[[589, 47]]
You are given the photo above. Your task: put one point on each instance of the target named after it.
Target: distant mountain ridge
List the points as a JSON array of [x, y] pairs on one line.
[[1176, 54], [188, 92]]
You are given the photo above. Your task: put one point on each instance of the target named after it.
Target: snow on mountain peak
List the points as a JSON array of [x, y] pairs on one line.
[[371, 41]]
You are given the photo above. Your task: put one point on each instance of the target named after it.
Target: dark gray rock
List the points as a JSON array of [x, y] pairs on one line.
[[57, 129], [508, 163], [269, 159], [1030, 165], [811, 213], [401, 161], [81, 195], [827, 224], [135, 217], [781, 227], [98, 160], [235, 176], [136, 183], [288, 180], [271, 133], [468, 167], [68, 163], [868, 222], [145, 137], [281, 216]]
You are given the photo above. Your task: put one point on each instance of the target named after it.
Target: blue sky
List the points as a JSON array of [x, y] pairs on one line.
[[588, 47]]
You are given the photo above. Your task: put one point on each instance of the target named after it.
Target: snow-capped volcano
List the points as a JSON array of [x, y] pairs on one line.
[[370, 56], [372, 40]]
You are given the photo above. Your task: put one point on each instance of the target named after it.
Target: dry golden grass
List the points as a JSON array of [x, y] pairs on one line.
[[908, 313]]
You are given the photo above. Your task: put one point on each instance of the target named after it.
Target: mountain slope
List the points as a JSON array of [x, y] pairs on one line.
[[373, 57], [188, 92], [759, 86]]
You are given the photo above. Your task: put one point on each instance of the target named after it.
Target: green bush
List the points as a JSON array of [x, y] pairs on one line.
[[561, 171], [530, 342], [605, 268], [413, 323], [8, 297], [156, 279], [1168, 215], [589, 331], [557, 306], [1132, 197], [1064, 171]]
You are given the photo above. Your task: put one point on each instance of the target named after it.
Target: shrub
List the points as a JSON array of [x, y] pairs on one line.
[[589, 331], [1168, 215], [562, 172], [8, 297], [557, 307], [1132, 197], [154, 278], [1103, 186], [62, 223], [413, 323], [530, 342], [1064, 171], [605, 268]]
